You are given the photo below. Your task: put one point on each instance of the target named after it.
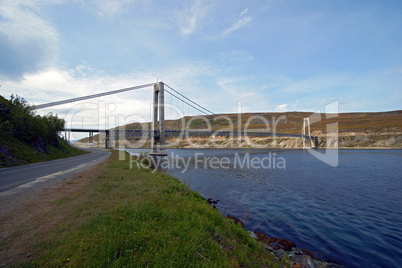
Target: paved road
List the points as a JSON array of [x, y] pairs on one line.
[[31, 175]]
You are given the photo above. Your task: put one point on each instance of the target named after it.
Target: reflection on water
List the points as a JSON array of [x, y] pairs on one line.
[[351, 213]]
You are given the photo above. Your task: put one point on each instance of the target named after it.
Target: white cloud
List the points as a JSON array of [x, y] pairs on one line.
[[189, 18], [268, 5], [244, 12], [239, 56], [56, 84], [28, 42], [232, 90], [243, 21], [281, 108], [237, 25], [108, 8]]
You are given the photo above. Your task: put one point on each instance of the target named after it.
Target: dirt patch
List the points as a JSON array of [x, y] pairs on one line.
[[24, 217]]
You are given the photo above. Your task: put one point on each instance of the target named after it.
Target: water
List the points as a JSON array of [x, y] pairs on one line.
[[351, 214]]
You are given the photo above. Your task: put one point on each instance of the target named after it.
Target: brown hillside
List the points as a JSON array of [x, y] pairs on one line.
[[292, 122], [378, 129]]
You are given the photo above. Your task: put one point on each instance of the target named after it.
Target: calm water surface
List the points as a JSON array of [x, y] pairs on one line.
[[351, 214]]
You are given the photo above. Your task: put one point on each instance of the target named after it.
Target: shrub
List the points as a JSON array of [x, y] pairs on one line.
[[18, 119]]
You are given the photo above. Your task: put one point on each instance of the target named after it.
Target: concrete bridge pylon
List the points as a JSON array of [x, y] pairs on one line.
[[158, 122]]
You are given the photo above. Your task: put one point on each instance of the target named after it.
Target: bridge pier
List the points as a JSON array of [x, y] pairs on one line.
[[67, 135], [90, 139], [307, 136], [316, 144], [107, 139], [158, 122], [306, 123]]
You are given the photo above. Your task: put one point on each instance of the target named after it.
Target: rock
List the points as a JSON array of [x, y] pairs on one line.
[[308, 252], [280, 253], [276, 246], [40, 146], [252, 234], [302, 261], [211, 201], [236, 220], [268, 248], [298, 251], [286, 244], [296, 258]]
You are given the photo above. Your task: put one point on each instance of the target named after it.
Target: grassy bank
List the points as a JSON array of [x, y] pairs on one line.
[[14, 152], [122, 217]]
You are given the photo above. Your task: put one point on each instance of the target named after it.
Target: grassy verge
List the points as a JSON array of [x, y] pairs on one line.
[[124, 217], [15, 152]]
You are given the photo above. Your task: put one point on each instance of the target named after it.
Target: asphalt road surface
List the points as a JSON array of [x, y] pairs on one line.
[[17, 178]]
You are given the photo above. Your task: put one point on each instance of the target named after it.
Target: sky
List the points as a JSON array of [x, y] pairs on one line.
[[270, 55]]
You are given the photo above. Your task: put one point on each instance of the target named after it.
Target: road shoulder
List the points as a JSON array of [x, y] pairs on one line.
[[22, 215]]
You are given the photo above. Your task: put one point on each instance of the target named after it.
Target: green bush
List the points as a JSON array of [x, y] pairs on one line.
[[18, 119]]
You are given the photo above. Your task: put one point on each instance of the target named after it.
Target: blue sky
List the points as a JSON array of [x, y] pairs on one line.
[[276, 55]]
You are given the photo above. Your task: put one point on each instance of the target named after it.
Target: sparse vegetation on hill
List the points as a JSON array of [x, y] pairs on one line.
[[379, 129], [28, 138]]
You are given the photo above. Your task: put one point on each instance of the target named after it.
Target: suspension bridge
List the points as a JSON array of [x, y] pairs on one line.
[[158, 133]]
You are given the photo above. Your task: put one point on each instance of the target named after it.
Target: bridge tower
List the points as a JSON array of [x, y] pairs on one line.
[[306, 123], [107, 138], [158, 122], [91, 139]]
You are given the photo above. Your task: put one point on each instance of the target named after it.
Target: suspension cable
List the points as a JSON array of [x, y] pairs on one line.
[[185, 101], [191, 101], [45, 105]]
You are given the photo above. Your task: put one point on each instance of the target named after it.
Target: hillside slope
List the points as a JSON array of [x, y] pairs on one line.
[[379, 129], [28, 138]]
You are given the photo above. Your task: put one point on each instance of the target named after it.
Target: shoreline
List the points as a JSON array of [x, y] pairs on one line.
[[140, 219], [77, 145], [175, 205], [281, 247]]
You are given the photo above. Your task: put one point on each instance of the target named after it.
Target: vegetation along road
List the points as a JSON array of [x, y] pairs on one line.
[[27, 176]]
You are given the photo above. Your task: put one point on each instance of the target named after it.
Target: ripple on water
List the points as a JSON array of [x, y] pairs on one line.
[[351, 214]]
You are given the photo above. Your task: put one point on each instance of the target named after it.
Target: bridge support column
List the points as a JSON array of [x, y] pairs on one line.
[[306, 123], [91, 139], [316, 143], [107, 138], [112, 138], [158, 122], [67, 135]]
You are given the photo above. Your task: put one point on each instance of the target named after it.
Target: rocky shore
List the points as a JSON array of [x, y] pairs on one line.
[[285, 250]]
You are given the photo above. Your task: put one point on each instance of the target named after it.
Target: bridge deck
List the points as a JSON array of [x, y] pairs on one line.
[[85, 130], [206, 133], [136, 133]]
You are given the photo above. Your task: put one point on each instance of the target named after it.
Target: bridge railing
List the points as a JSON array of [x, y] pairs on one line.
[[203, 133]]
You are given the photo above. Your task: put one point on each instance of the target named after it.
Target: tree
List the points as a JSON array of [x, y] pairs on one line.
[[18, 119]]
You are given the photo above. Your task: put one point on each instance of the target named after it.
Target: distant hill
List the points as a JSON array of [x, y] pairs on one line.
[[377, 129], [28, 138]]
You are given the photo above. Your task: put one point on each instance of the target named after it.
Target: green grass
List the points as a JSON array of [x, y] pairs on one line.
[[135, 218]]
